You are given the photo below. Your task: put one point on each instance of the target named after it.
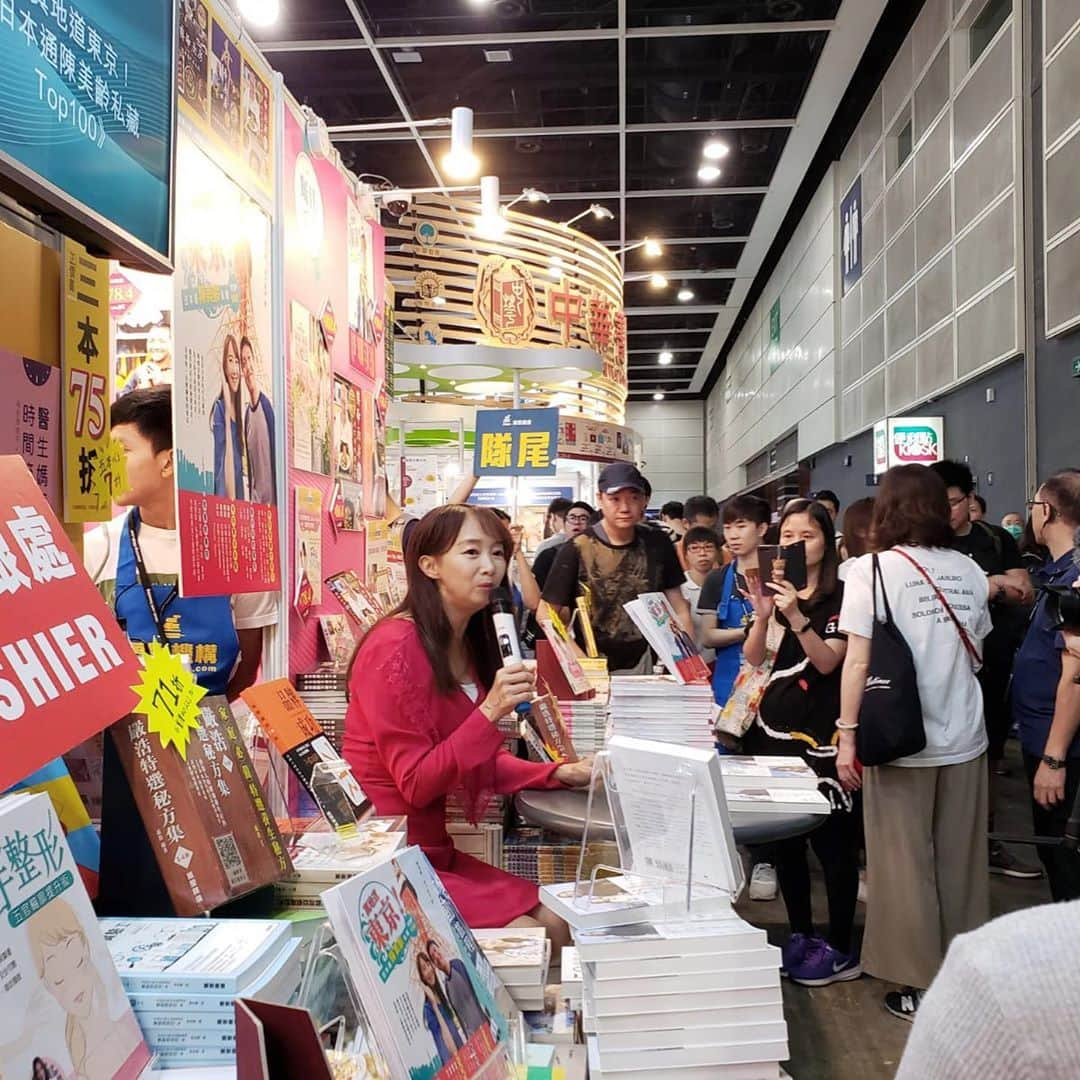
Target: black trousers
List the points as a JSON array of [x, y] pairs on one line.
[[1062, 867], [835, 843]]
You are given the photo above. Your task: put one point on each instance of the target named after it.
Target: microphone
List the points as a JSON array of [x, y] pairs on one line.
[[502, 615]]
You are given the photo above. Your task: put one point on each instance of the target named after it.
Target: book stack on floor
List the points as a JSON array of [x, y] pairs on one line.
[[695, 999], [322, 860], [521, 957], [483, 841], [780, 785], [572, 977], [493, 814], [324, 692], [182, 977], [660, 708], [546, 858]]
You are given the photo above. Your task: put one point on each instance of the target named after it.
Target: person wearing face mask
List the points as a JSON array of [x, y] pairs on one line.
[[427, 690], [1013, 524]]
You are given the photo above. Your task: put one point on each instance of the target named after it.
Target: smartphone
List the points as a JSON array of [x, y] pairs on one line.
[[794, 556]]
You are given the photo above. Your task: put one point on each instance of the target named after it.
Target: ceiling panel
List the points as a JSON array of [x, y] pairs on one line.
[[342, 87], [416, 18], [668, 340], [638, 294], [541, 85], [676, 13], [309, 20], [673, 80], [701, 215], [703, 257], [401, 162], [670, 159], [565, 209]]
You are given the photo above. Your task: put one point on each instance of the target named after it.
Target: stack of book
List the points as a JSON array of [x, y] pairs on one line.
[[521, 957], [586, 723], [698, 998], [483, 841], [572, 977], [493, 813], [779, 785], [322, 860], [182, 977], [660, 708], [323, 691], [546, 858]]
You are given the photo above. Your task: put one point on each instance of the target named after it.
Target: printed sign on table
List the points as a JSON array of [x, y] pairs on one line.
[[68, 668], [30, 419], [516, 442], [86, 367], [223, 414]]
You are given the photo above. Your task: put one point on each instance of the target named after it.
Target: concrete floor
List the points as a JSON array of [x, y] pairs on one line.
[[842, 1032]]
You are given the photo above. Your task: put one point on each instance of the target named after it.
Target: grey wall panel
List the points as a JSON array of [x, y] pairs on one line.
[[850, 362], [934, 362], [928, 31], [1060, 17], [933, 226], [870, 128], [900, 260], [899, 200], [850, 410], [1062, 90], [1063, 283], [932, 160], [851, 306], [873, 233], [1063, 186], [873, 400], [873, 178], [873, 344], [900, 322], [934, 294], [987, 331], [900, 382], [984, 95], [986, 251], [932, 93], [898, 81], [873, 289], [986, 173]]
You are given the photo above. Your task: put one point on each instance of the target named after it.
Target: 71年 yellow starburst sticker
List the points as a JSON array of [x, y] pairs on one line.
[[169, 697]]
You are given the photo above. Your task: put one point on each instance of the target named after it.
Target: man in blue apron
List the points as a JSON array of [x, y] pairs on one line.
[[135, 560]]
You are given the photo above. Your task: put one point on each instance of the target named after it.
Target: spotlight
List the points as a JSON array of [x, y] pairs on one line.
[[708, 173], [658, 396], [686, 294], [490, 223], [714, 150], [260, 12], [460, 162], [653, 248], [666, 357], [658, 281]]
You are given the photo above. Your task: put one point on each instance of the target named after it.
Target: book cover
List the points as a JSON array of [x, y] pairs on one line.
[[546, 721], [783, 800], [324, 859], [207, 819], [767, 772], [645, 940], [359, 602], [61, 1002], [514, 947], [558, 638], [277, 1042], [676, 649], [218, 956], [427, 987], [300, 740], [340, 642]]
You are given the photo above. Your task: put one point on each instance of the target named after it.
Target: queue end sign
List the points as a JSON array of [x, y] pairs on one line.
[[66, 668], [516, 442]]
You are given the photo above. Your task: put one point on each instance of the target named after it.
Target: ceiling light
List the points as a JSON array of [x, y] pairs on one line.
[[601, 213], [408, 56], [491, 223], [658, 396], [535, 196], [714, 150], [658, 281], [708, 172], [653, 248], [460, 162], [260, 12], [498, 56], [666, 357], [686, 295]]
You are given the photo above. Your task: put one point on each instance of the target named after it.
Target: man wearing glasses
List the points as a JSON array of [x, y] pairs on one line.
[[1045, 691], [999, 558], [556, 523]]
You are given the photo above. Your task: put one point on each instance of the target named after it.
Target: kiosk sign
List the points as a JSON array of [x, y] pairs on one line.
[[908, 440]]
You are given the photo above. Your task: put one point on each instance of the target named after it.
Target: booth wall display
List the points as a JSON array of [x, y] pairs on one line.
[[30, 286], [86, 121], [75, 668], [222, 320], [334, 365], [225, 94], [30, 419]]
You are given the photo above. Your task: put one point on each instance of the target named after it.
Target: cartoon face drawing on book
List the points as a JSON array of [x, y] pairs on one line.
[[98, 1044]]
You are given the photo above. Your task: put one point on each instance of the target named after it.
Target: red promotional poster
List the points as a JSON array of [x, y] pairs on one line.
[[67, 669], [367, 314]]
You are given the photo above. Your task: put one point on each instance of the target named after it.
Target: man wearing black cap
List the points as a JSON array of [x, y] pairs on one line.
[[618, 559]]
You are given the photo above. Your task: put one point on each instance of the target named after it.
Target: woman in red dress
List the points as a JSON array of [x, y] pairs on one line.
[[427, 689]]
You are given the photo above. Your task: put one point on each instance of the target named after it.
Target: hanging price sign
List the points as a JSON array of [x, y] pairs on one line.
[[169, 698]]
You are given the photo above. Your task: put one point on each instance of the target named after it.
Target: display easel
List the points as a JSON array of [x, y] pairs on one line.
[[672, 883]]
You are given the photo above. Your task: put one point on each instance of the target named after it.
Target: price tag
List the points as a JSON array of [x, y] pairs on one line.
[[169, 698], [110, 479]]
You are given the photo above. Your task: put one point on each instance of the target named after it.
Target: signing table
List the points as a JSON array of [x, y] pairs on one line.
[[563, 812]]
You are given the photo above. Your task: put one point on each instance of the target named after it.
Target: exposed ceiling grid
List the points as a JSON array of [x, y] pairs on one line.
[[607, 101]]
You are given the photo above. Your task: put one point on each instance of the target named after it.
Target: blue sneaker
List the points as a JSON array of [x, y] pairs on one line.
[[823, 965], [795, 951]]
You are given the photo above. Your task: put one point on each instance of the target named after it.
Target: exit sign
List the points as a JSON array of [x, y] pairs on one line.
[[1076, 367]]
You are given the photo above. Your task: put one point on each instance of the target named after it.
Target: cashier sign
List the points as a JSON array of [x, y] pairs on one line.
[[66, 669], [516, 442]]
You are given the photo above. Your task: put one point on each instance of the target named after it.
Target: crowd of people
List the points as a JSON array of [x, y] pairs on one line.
[[792, 633]]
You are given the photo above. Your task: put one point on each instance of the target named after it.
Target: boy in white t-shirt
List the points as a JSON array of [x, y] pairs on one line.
[[135, 559]]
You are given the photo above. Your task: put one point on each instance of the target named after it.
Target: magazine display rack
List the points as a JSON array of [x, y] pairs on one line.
[[676, 887]]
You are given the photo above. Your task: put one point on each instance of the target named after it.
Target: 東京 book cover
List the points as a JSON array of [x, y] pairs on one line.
[[428, 989], [63, 1009]]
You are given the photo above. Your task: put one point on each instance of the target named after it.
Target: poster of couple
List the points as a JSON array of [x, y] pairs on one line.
[[223, 408]]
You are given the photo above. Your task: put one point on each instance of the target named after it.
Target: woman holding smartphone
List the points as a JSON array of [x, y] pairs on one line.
[[797, 716]]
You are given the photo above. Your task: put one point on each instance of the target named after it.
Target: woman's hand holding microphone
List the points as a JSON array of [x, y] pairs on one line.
[[514, 684]]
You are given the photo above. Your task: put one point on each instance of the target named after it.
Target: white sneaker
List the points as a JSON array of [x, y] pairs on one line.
[[763, 884]]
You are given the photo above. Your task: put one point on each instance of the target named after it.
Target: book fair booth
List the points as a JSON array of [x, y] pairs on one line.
[[192, 880]]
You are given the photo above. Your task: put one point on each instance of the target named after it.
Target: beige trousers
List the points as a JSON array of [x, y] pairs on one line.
[[926, 863]]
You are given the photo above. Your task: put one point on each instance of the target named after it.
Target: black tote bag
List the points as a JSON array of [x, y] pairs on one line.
[[890, 717]]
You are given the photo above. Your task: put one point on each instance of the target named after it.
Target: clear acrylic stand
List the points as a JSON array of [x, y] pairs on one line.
[[675, 886]]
